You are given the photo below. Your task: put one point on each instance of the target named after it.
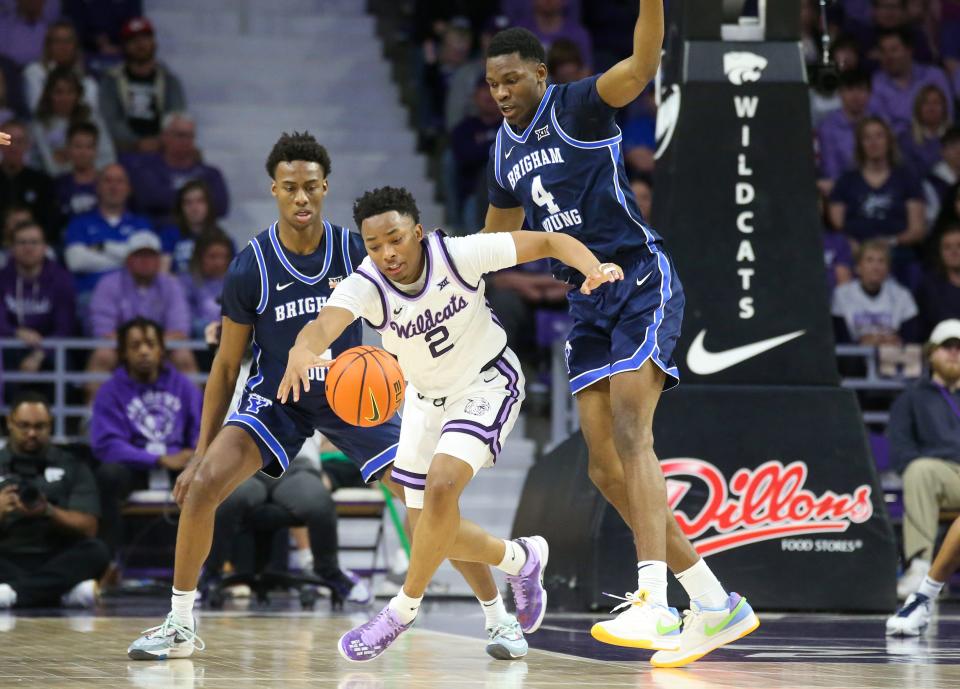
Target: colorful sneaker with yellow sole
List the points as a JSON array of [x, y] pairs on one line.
[[705, 630], [642, 625]]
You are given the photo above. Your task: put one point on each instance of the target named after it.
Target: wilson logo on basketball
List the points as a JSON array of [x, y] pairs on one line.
[[758, 504]]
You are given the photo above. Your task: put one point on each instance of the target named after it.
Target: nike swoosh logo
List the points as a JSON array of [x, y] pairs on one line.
[[491, 380], [667, 628], [703, 363], [396, 312], [642, 280], [280, 287], [710, 631], [507, 154], [376, 409]]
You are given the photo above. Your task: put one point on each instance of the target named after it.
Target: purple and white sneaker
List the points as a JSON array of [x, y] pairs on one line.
[[528, 592], [372, 638]]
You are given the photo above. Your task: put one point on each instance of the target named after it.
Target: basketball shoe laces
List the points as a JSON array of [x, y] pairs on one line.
[[383, 627], [629, 598], [505, 629], [168, 626]]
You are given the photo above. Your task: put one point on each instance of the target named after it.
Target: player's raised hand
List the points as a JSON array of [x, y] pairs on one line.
[[604, 272], [4, 139]]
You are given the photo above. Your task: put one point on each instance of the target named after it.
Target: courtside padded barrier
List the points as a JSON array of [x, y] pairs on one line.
[[774, 487]]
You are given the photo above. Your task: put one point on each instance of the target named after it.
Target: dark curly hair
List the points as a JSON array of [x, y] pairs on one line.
[[297, 146], [382, 200], [520, 41], [141, 323]]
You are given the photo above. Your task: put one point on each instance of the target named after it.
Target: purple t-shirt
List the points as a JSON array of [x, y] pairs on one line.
[[880, 212], [46, 304], [895, 104], [75, 198], [836, 139], [116, 299], [920, 157], [155, 185], [22, 42], [136, 423], [836, 252], [572, 30], [204, 299]]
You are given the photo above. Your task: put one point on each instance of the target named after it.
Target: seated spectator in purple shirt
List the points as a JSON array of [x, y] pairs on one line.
[[61, 48], [836, 133], [146, 417], [939, 294], [61, 106], [135, 96], [139, 289], [195, 217], [36, 298], [203, 285], [874, 309], [22, 185], [920, 144], [23, 30], [899, 80], [156, 177], [470, 145], [551, 22], [879, 198], [77, 189], [950, 34]]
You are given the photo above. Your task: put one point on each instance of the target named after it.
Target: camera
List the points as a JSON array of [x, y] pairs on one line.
[[24, 473]]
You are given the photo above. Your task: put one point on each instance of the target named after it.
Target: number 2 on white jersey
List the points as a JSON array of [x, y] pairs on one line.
[[542, 197]]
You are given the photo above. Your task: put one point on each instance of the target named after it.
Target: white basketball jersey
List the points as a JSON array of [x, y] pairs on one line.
[[444, 334]]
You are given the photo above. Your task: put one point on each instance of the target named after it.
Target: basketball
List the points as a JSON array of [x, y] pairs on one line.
[[365, 386]]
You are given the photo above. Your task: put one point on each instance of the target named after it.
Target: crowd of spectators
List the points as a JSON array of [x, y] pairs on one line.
[[107, 207]]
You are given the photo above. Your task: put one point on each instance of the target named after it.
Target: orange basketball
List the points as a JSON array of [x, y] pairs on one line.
[[365, 386]]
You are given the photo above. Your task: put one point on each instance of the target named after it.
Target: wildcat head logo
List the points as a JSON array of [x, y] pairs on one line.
[[743, 67], [757, 505]]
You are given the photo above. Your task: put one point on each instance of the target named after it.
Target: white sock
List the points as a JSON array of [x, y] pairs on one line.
[[181, 603], [652, 578], [8, 597], [514, 558], [405, 606], [493, 611], [930, 588], [702, 586]]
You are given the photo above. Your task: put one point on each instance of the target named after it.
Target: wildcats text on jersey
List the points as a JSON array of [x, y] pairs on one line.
[[532, 161], [429, 320]]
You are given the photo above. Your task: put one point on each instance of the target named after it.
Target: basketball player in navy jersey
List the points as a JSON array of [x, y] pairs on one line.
[[557, 164], [275, 286]]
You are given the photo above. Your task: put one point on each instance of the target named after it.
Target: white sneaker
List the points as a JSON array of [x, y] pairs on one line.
[[86, 594], [911, 578], [642, 625], [707, 630], [912, 619], [8, 597]]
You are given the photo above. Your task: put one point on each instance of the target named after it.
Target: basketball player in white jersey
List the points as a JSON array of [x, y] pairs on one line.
[[425, 295]]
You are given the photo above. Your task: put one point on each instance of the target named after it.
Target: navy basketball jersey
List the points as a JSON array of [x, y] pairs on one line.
[[278, 292], [566, 171]]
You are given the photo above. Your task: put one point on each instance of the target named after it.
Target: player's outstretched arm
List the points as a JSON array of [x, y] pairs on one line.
[[4, 139], [503, 219], [532, 246], [217, 394], [623, 82], [315, 337]]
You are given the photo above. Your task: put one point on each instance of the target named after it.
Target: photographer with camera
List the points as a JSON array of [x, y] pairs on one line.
[[49, 508]]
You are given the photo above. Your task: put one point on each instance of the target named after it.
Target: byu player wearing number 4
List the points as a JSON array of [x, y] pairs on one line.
[[275, 285], [557, 162], [464, 390]]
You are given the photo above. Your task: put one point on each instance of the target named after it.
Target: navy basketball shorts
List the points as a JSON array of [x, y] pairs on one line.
[[280, 430], [623, 324]]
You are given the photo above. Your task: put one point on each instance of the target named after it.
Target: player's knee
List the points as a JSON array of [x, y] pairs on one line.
[[633, 440], [441, 489], [207, 487], [920, 472]]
